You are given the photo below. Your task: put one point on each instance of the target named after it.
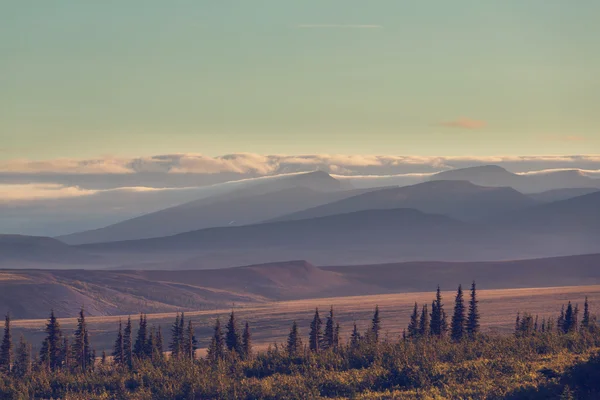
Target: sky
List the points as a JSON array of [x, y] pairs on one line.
[[125, 78]]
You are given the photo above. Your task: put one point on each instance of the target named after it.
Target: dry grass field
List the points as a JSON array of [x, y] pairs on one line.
[[270, 322]]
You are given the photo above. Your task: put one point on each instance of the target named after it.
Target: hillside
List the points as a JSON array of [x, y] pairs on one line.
[[243, 206], [456, 199], [129, 292]]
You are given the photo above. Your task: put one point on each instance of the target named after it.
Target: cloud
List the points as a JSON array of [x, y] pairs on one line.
[[338, 26], [464, 123]]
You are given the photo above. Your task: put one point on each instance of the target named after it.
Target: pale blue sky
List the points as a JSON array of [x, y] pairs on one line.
[[84, 78]]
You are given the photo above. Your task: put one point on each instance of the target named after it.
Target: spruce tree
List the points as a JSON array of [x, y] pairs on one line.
[[22, 365], [568, 319], [315, 336], [216, 350], [6, 358], [535, 324], [560, 322], [232, 338], [355, 337], [458, 319], [424, 322], [585, 320], [127, 357], [176, 344], [294, 341], [437, 312], [149, 352], [118, 349], [139, 348], [336, 337], [329, 336], [66, 354], [191, 344], [50, 352], [575, 319], [247, 342], [413, 326], [82, 353], [473, 316], [159, 344], [375, 325]]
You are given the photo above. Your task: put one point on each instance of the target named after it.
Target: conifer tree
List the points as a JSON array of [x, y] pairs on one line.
[[149, 352], [176, 344], [127, 354], [191, 344], [473, 316], [458, 319], [413, 326], [444, 323], [139, 348], [118, 349], [424, 322], [535, 324], [232, 338], [436, 325], [216, 350], [568, 319], [517, 324], [247, 342], [294, 342], [22, 365], [543, 326], [575, 319], [159, 344], [355, 337], [375, 325], [329, 336], [82, 353], [315, 336], [6, 356], [66, 354], [336, 336], [585, 320], [560, 322], [50, 352]]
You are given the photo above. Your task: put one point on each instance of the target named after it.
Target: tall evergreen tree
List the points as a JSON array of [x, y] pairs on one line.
[[294, 341], [247, 342], [216, 350], [176, 345], [568, 319], [127, 358], [22, 365], [232, 338], [191, 344], [560, 322], [82, 352], [437, 312], [458, 319], [315, 336], [517, 323], [150, 350], [336, 337], [575, 319], [424, 322], [355, 337], [50, 352], [6, 356], [375, 325], [413, 326], [159, 344], [473, 316], [118, 349], [66, 358], [585, 320], [329, 336], [139, 348]]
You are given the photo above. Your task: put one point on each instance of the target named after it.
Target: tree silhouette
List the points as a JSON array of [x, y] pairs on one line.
[[375, 325], [424, 322], [413, 326], [473, 316], [128, 344], [247, 342], [139, 348], [6, 346], [50, 352], [355, 337], [22, 365], [82, 352], [232, 338], [329, 336], [118, 349], [315, 337], [216, 350], [294, 341], [585, 320], [458, 319]]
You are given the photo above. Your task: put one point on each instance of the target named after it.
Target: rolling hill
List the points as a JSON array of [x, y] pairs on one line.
[[457, 199], [241, 207]]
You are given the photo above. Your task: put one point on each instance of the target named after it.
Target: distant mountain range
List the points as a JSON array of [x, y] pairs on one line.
[[129, 292]]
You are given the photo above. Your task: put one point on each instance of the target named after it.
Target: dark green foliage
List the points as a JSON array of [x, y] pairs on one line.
[[6, 356], [294, 341], [191, 344], [247, 342], [50, 352], [118, 349], [159, 346], [330, 336], [413, 326], [473, 316], [22, 365], [355, 337], [82, 353], [232, 337], [458, 318], [438, 324], [375, 326], [176, 345], [315, 337], [525, 325], [585, 321], [140, 347], [424, 322], [128, 344], [216, 350]]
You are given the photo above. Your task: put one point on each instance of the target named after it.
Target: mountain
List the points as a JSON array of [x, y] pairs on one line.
[[130, 292], [561, 194], [457, 199], [493, 175], [17, 251], [243, 206]]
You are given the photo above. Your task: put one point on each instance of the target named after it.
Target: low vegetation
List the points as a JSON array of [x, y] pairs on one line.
[[438, 356]]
